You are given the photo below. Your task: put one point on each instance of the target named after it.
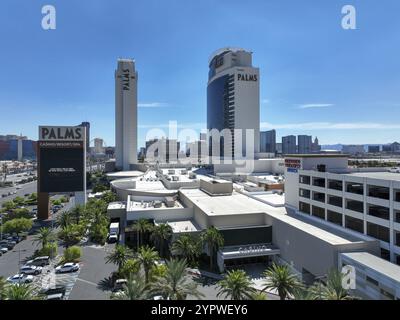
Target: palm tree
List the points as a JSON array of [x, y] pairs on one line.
[[119, 256], [304, 293], [259, 296], [64, 219], [333, 289], [23, 291], [161, 234], [44, 236], [77, 213], [214, 240], [142, 226], [176, 284], [236, 285], [3, 287], [134, 289], [281, 279], [147, 258], [187, 248]]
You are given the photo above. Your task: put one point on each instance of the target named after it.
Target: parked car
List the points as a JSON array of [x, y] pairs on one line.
[[30, 269], [20, 278], [67, 267], [3, 250], [57, 293], [39, 261]]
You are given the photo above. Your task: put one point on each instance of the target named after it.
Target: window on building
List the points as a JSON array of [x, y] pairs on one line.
[[397, 259], [379, 192], [318, 196], [305, 193], [387, 294], [397, 238], [354, 187], [305, 179], [378, 211], [396, 195], [318, 212], [304, 207], [372, 281], [378, 232], [397, 216], [354, 224], [335, 185], [334, 217], [319, 182], [355, 205], [385, 254], [335, 201]]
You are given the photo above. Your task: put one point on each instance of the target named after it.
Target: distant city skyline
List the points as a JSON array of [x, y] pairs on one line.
[[316, 78]]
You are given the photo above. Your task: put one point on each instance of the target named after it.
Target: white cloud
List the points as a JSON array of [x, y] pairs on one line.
[[331, 126], [152, 104], [315, 105]]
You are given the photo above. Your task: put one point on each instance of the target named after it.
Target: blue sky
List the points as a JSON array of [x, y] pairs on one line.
[[316, 78]]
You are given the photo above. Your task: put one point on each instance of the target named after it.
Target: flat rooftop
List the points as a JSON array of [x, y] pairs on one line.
[[183, 226], [118, 205], [133, 205], [124, 174], [272, 199], [236, 203], [377, 264], [382, 175]]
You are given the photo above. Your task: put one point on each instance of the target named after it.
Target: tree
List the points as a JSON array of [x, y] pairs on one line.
[[3, 287], [147, 258], [18, 213], [214, 240], [186, 247], [131, 266], [9, 205], [64, 219], [281, 279], [98, 187], [257, 295], [70, 234], [236, 285], [19, 201], [119, 256], [333, 289], [109, 196], [134, 289], [17, 225], [44, 236], [142, 226], [77, 212], [160, 235], [21, 291], [176, 284], [72, 254]]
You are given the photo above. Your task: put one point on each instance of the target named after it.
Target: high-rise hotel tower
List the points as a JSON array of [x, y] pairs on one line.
[[233, 101], [126, 79]]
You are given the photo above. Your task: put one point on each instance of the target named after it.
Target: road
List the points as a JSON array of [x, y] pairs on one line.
[[29, 187]]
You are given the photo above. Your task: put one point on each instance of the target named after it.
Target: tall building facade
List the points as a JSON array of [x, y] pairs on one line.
[[304, 144], [126, 79], [289, 145], [233, 102], [268, 141]]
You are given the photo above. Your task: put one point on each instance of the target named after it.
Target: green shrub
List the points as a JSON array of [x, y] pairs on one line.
[[72, 254], [49, 249]]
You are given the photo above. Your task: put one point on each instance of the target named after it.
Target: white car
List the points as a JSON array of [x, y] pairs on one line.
[[395, 170], [29, 269], [67, 267], [3, 250], [20, 278]]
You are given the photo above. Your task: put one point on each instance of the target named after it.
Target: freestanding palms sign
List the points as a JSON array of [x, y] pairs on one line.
[[61, 164]]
